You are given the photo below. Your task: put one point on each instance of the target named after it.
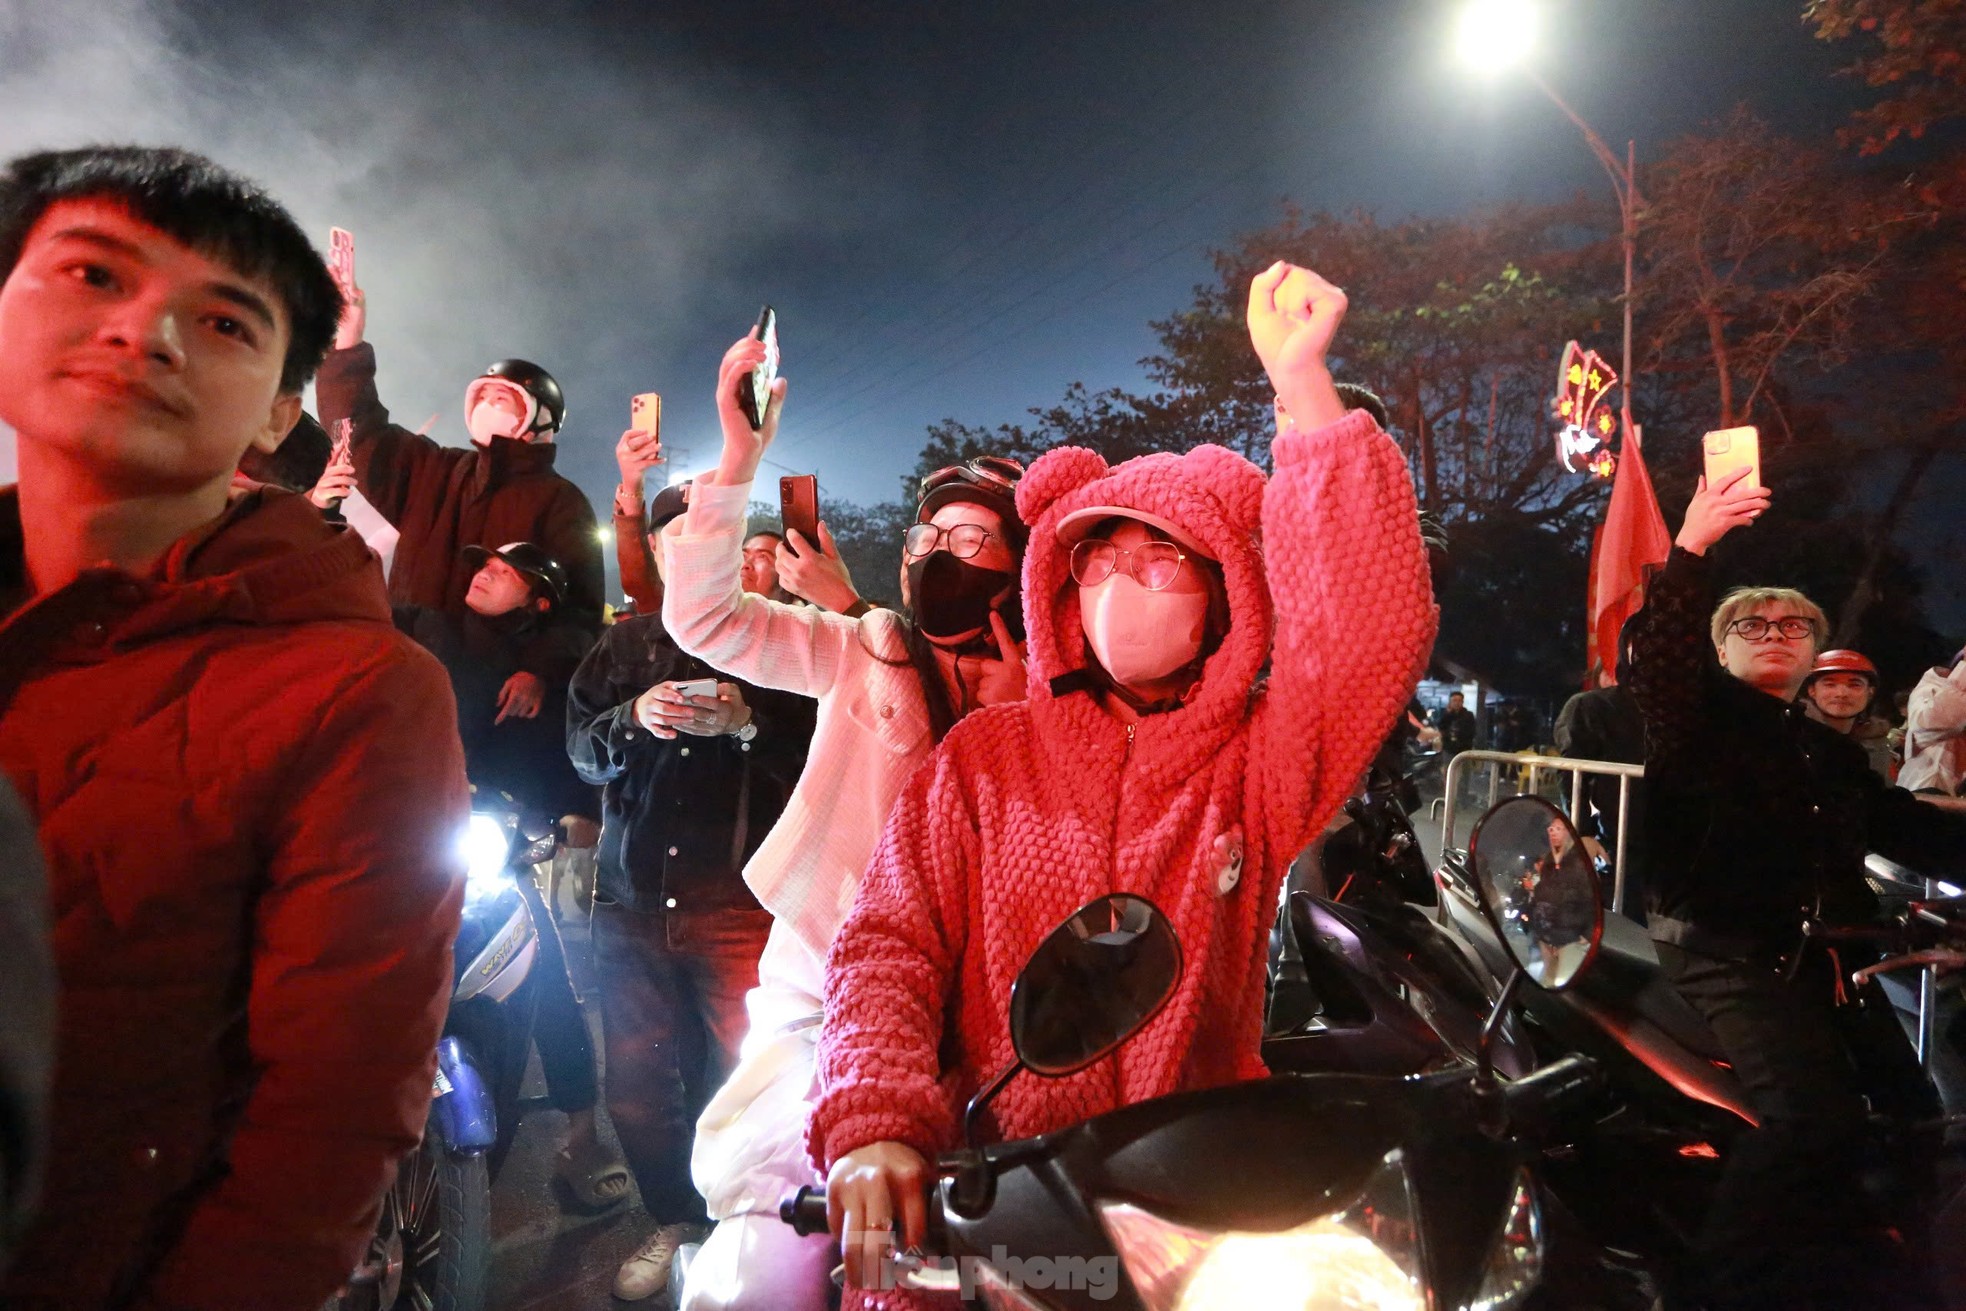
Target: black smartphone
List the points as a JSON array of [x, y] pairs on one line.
[[798, 505], [754, 388]]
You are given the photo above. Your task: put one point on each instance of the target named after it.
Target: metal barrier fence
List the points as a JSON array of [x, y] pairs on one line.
[[1531, 769]]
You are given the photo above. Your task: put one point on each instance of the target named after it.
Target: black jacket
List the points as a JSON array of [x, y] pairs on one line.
[[679, 817], [526, 758], [1605, 724], [1457, 730], [442, 499], [1755, 814]]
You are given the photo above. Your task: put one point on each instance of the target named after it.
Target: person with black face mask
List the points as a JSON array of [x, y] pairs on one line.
[[889, 687]]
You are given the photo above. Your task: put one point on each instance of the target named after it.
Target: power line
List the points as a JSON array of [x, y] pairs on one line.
[[1184, 244], [970, 330], [915, 379], [970, 238]]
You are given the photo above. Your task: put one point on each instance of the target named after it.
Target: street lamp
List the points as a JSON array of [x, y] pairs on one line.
[[1497, 34]]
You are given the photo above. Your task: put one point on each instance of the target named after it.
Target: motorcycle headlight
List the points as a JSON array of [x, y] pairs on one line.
[[1515, 1261], [487, 847], [1364, 1258]]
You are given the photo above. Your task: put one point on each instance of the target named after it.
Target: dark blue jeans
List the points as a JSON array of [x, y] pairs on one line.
[[559, 1030], [672, 1011]]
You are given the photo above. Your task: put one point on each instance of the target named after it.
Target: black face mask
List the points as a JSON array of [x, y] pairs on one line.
[[952, 597]]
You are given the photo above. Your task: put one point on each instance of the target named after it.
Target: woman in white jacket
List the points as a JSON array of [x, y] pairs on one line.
[[1935, 731], [888, 687]]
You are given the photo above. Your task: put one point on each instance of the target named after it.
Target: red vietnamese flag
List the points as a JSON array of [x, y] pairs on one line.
[[1629, 545]]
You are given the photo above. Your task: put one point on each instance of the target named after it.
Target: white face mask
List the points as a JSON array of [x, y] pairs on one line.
[[1139, 636], [486, 421]]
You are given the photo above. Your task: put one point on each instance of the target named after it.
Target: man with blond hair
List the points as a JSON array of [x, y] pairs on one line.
[[1759, 818]]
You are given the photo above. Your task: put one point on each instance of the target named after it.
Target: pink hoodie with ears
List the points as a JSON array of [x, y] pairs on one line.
[[1027, 811]]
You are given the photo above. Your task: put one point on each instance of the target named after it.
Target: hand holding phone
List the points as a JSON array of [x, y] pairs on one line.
[[754, 389], [341, 267], [1730, 496], [338, 478]]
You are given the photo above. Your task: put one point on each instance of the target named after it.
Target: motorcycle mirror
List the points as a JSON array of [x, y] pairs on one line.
[[1539, 888], [1092, 983]]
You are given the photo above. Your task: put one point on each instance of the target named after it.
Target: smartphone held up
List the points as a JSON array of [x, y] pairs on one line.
[[798, 505], [341, 256], [645, 413], [754, 388], [1730, 449]]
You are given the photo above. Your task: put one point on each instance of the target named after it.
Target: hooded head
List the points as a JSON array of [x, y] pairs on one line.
[[1209, 501]]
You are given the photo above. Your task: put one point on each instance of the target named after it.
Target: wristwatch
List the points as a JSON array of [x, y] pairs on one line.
[[748, 732]]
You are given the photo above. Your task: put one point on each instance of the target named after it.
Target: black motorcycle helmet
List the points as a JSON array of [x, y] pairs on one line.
[[548, 578], [549, 402]]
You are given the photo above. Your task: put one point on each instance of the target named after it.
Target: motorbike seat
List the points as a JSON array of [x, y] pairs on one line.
[[1628, 977]]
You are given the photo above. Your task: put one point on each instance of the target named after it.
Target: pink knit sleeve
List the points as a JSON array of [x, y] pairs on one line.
[[889, 973], [1355, 617]]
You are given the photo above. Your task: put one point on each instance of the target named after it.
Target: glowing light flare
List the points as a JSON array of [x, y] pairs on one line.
[[486, 846], [1365, 1258], [1493, 35], [1245, 1270]]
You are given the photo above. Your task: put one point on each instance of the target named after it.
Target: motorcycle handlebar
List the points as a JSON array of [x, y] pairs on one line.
[[1555, 1086], [805, 1211]]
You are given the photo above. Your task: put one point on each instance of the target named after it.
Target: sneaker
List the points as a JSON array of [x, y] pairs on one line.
[[646, 1273]]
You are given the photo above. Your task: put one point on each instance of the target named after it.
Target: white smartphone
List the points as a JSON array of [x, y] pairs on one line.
[[1727, 449], [697, 687]]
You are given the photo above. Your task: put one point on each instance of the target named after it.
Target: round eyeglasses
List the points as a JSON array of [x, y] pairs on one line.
[[1754, 627], [1153, 565], [964, 540]]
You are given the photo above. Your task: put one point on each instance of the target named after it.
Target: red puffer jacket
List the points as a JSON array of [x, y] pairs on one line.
[[249, 787]]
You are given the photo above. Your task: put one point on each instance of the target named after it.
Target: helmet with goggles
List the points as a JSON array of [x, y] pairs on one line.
[[989, 481]]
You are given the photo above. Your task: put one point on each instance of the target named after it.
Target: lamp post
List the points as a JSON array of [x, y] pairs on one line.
[[1500, 33]]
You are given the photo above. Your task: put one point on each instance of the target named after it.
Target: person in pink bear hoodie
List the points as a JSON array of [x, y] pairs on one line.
[[1153, 756]]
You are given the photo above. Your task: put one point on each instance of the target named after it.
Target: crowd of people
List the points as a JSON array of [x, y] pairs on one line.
[[827, 832]]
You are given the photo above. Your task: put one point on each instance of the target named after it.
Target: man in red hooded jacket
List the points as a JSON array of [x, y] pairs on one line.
[[247, 783]]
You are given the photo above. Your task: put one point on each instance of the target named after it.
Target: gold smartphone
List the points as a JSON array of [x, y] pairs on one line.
[[645, 413], [1727, 449]]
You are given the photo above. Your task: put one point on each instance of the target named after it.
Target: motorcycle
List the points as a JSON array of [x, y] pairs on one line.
[[1413, 1190], [1378, 980], [431, 1250]]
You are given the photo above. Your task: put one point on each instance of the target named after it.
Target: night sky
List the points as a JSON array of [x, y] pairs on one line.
[[957, 209]]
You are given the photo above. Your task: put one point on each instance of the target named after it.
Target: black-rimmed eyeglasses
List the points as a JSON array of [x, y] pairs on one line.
[[964, 540], [1753, 628]]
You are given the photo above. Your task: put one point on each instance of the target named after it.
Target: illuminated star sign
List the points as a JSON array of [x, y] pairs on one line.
[[1583, 441]]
